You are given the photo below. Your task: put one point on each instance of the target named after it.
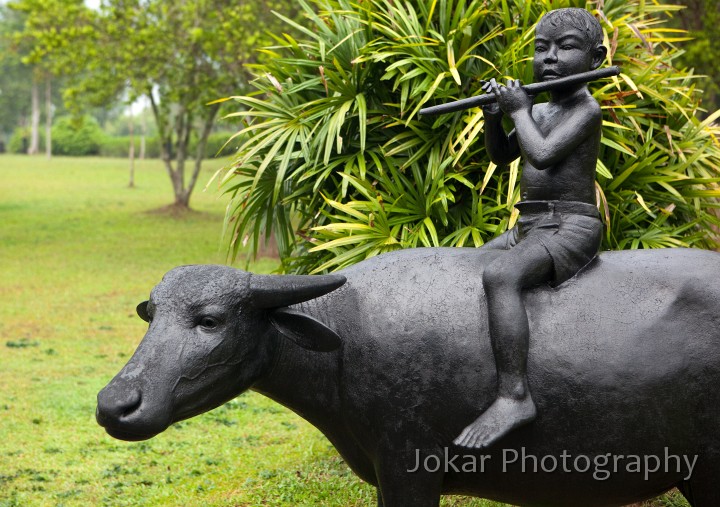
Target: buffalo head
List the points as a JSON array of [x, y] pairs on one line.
[[209, 339]]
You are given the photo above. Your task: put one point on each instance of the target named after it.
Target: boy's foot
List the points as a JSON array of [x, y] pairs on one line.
[[503, 416]]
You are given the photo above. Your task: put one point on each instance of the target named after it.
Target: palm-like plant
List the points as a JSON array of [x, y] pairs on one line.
[[337, 165]]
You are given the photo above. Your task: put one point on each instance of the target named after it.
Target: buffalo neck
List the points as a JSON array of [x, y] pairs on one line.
[[302, 380]]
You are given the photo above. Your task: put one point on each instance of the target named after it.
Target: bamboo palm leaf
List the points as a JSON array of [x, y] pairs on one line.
[[339, 167]]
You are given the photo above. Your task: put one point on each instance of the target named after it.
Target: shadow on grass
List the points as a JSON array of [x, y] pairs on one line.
[[177, 211]]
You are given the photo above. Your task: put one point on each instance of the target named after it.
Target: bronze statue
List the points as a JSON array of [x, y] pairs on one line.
[[623, 366], [531, 89], [392, 357], [559, 230]]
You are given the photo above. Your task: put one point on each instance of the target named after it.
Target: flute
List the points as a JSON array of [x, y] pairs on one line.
[[531, 89]]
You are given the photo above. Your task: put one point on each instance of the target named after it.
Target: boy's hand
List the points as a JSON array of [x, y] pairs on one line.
[[510, 98], [491, 110]]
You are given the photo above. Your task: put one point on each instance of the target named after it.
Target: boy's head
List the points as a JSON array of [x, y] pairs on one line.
[[567, 41]]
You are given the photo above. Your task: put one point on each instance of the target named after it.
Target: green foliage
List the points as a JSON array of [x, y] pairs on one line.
[[218, 145], [40, 29], [14, 78], [702, 20], [20, 140], [181, 55], [339, 167], [48, 27], [119, 146], [76, 136], [204, 45]]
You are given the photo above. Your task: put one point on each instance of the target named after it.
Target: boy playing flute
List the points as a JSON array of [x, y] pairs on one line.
[[559, 229]]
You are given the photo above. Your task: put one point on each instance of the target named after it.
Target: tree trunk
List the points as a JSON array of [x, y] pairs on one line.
[[182, 129], [34, 147], [183, 200], [202, 144], [131, 151], [143, 133], [165, 147], [48, 118]]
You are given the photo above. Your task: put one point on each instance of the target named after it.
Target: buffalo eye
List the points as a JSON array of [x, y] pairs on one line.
[[208, 322]]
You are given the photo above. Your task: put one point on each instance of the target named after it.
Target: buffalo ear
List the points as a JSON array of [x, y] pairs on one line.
[[306, 331], [274, 291], [142, 311]]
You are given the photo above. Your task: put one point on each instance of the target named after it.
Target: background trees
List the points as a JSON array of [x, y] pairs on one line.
[[42, 40], [13, 78], [701, 18], [338, 166], [181, 56]]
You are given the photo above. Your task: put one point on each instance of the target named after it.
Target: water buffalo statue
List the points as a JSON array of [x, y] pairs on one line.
[[384, 359]]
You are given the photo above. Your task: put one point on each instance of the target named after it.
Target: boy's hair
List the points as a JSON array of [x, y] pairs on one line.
[[577, 18]]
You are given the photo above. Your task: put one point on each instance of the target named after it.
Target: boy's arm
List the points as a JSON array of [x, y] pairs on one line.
[[501, 147], [541, 150]]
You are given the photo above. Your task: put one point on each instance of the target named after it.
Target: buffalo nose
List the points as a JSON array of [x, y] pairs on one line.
[[114, 404]]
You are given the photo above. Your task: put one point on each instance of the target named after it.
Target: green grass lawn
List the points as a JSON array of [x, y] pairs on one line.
[[78, 251]]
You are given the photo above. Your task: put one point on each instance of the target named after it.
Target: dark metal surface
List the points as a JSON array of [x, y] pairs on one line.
[[624, 361], [531, 89]]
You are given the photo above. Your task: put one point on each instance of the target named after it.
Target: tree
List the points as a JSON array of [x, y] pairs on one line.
[[337, 165], [182, 56], [15, 76], [701, 18], [43, 43]]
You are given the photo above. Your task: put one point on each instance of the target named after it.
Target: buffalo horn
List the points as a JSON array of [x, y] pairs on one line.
[[275, 291]]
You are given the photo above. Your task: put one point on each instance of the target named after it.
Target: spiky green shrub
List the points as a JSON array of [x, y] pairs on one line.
[[337, 165], [76, 136]]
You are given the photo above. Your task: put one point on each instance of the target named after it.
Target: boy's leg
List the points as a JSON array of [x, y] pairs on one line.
[[526, 265], [505, 241]]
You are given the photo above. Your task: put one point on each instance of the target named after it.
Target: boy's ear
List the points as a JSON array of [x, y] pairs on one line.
[[599, 56]]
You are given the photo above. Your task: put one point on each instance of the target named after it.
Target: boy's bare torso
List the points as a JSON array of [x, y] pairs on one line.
[[572, 178]]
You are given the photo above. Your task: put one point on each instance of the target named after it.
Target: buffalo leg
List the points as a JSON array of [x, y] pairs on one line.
[[702, 489], [702, 494], [398, 486]]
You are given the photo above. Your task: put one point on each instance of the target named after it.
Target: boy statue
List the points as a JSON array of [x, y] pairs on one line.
[[559, 229]]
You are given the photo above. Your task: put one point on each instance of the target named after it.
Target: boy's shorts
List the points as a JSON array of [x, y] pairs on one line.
[[571, 233]]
